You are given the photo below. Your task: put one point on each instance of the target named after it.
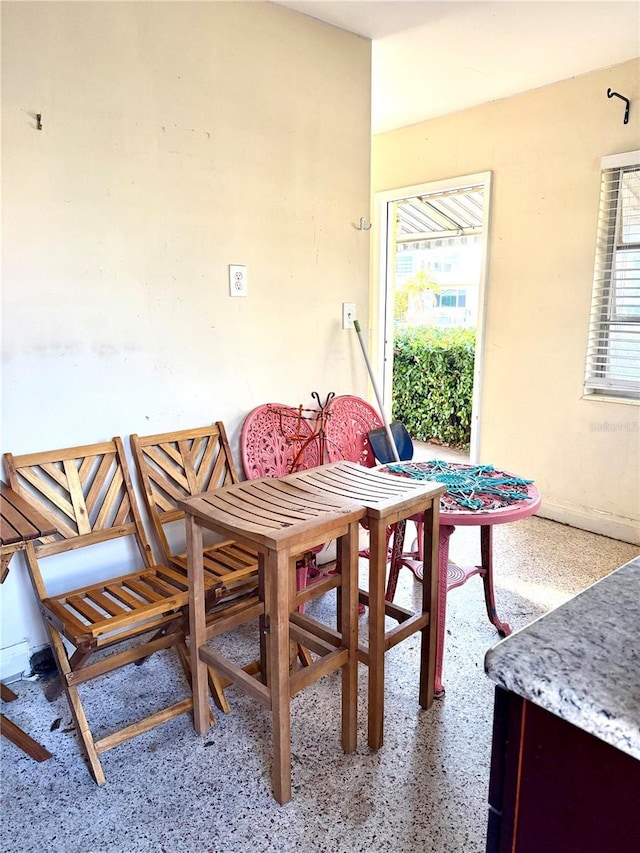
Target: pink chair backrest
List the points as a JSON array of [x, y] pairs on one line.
[[275, 441], [349, 419]]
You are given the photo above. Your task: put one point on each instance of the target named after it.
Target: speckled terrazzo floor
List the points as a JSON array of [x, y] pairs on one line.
[[170, 791]]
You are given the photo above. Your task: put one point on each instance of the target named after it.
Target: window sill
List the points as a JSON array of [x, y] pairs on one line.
[[609, 398]]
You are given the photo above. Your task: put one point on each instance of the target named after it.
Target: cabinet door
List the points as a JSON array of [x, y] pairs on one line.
[[505, 763], [556, 788]]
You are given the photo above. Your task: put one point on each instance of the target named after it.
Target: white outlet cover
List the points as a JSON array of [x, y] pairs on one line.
[[237, 280]]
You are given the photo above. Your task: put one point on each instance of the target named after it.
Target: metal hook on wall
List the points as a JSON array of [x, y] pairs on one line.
[[611, 94], [39, 121], [362, 226]]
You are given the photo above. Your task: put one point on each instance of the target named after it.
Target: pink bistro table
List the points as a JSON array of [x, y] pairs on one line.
[[451, 575]]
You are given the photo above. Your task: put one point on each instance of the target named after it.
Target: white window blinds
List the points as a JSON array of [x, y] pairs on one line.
[[613, 355]]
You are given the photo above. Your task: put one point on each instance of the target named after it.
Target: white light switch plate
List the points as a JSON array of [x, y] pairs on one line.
[[348, 314], [237, 280]]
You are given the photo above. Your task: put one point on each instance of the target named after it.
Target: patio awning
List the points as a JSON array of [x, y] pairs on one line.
[[451, 213]]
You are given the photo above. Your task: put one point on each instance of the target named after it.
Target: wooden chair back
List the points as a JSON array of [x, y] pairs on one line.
[[84, 492], [175, 465], [86, 495]]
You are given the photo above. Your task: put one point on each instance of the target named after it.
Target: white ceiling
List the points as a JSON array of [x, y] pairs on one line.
[[433, 57]]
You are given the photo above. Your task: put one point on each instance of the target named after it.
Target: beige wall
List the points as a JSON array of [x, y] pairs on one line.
[[543, 148], [177, 138]]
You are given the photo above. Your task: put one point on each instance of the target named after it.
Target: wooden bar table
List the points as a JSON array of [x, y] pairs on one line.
[[280, 521], [387, 500], [20, 522]]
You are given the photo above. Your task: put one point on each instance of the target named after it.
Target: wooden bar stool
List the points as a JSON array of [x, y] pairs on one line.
[[388, 501], [279, 521]]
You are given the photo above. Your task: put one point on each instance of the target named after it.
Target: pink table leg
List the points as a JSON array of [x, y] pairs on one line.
[[443, 564], [450, 577], [486, 558]]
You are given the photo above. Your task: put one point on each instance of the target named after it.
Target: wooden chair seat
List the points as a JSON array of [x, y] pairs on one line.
[[102, 614], [227, 564]]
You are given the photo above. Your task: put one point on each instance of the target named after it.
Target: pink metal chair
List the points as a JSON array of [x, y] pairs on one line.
[[277, 440], [349, 419]]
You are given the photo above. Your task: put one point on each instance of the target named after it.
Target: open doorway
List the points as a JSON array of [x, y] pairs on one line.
[[432, 250]]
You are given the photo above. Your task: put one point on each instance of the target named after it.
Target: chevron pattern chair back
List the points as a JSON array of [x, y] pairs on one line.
[[87, 495]]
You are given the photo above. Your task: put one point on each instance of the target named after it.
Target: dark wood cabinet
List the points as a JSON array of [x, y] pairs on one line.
[[554, 788]]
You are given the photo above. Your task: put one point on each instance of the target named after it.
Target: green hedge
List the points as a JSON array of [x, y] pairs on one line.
[[433, 383]]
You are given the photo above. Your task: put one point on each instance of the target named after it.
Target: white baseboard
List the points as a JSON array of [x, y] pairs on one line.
[[14, 661], [605, 524]]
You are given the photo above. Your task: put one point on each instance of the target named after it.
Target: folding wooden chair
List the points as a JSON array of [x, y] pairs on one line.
[[87, 495], [173, 466]]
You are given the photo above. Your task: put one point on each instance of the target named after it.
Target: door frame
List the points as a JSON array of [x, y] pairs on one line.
[[382, 317]]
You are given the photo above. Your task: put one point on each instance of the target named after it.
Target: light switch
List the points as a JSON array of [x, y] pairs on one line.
[[348, 314]]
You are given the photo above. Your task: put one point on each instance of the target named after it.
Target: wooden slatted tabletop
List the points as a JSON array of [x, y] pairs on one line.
[[19, 520], [382, 495]]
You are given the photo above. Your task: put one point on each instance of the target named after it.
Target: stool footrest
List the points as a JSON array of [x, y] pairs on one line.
[[232, 617], [335, 659], [145, 725], [317, 588], [405, 629], [253, 668], [409, 626], [400, 614], [317, 629], [236, 675]]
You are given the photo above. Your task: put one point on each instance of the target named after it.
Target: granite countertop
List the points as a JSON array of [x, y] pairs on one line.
[[581, 661]]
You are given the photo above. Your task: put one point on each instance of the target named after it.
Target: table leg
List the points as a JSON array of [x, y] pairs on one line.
[[278, 566], [431, 585], [486, 559], [6, 693], [5, 559], [443, 564], [377, 575], [22, 740], [348, 567], [197, 626]]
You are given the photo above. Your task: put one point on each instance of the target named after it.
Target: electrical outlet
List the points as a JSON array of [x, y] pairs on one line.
[[348, 314], [237, 280]]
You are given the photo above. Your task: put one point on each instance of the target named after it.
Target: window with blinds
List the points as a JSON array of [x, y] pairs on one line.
[[613, 355]]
